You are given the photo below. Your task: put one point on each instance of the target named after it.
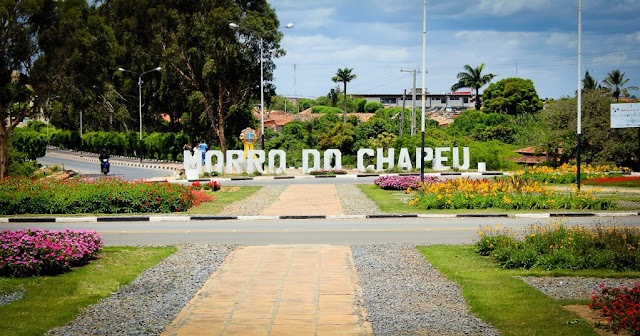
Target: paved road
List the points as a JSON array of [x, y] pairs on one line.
[[310, 231], [93, 168]]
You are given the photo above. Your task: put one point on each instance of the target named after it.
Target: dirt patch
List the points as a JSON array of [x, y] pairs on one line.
[[594, 319], [229, 189]]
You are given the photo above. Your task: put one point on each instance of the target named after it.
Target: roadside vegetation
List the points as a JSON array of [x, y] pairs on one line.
[[488, 272], [222, 198], [46, 302]]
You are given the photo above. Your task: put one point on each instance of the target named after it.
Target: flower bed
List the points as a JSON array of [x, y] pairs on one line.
[[328, 172], [556, 246], [106, 195], [211, 185], [34, 252], [620, 306], [566, 174], [618, 181], [392, 182], [510, 193]]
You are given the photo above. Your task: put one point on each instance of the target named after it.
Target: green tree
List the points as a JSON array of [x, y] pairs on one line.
[[18, 49], [600, 142], [332, 96], [512, 96], [588, 82], [345, 76], [474, 79], [77, 52], [616, 82]]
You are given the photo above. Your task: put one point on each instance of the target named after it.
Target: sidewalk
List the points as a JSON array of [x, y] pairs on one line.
[[306, 200], [278, 290]]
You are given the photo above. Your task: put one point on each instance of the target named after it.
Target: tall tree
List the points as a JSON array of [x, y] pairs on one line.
[[616, 82], [77, 51], [589, 83], [345, 76], [474, 79], [512, 96], [18, 49]]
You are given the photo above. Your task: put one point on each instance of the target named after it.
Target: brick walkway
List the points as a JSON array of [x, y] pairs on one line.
[[306, 199], [278, 290]]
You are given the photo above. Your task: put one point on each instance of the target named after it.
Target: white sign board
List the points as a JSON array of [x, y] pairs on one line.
[[625, 115]]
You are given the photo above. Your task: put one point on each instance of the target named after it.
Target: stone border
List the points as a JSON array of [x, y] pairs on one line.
[[185, 218]]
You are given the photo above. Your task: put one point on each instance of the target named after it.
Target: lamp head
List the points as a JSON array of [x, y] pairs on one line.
[[158, 69], [233, 25], [121, 69], [289, 25]]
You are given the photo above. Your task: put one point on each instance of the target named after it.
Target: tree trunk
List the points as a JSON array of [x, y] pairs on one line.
[[345, 103], [478, 102], [221, 120], [4, 153]]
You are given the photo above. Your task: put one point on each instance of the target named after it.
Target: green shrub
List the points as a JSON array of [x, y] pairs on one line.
[[107, 195], [556, 246], [371, 107], [325, 109]]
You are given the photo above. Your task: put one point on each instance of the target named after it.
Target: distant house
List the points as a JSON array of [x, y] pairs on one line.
[[459, 100], [531, 156], [276, 119]]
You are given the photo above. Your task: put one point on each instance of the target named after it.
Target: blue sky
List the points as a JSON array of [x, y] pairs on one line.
[[534, 39]]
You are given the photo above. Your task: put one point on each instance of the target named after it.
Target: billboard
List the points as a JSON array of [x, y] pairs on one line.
[[625, 115]]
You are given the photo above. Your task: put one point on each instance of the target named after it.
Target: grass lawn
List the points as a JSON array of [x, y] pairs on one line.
[[222, 198], [53, 301], [508, 303], [396, 201]]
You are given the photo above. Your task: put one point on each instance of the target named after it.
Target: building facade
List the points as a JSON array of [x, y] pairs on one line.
[[461, 99]]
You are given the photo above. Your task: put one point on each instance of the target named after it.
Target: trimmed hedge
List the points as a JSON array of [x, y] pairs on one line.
[[107, 196]]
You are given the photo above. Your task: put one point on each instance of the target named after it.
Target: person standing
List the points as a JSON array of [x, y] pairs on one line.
[[203, 149]]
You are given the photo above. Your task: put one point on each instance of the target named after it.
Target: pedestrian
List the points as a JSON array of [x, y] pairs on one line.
[[188, 147], [203, 149]]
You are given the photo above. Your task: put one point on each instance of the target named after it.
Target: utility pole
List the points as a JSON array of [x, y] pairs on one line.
[[295, 93], [413, 101], [404, 98]]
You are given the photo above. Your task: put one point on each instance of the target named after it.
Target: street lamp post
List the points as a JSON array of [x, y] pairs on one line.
[[235, 26], [140, 100]]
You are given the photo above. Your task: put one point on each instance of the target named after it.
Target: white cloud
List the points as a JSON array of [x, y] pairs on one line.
[[308, 19], [509, 7], [377, 45]]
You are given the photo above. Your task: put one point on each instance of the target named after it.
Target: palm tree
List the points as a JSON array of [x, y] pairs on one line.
[[589, 83], [474, 79], [344, 76], [616, 82]]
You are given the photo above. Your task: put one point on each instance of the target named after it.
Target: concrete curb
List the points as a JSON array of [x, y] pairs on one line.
[[184, 218]]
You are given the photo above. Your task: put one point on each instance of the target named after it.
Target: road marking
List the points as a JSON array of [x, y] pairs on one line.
[[291, 230]]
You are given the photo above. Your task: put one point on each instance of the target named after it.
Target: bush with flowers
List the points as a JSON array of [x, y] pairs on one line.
[[620, 306], [394, 182], [211, 185], [511, 193], [106, 195], [328, 172], [617, 181], [34, 252], [566, 174], [557, 246]]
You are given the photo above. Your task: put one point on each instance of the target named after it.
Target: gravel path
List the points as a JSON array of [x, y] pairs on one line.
[[577, 288], [152, 301], [254, 204], [354, 202], [405, 295]]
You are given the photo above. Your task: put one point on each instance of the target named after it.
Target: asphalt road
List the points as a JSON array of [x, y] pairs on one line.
[[310, 231], [93, 168]]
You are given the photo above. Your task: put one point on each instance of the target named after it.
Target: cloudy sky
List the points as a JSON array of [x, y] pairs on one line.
[[534, 39]]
